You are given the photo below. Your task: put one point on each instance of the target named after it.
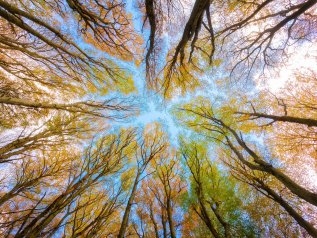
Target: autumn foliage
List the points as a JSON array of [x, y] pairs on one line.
[[233, 152]]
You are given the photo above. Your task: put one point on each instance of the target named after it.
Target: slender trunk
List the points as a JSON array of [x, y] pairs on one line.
[[192, 27], [5, 158], [170, 218], [294, 187], [125, 219], [45, 217], [11, 15], [221, 220], [16, 11], [261, 164], [12, 193], [298, 120], [78, 107], [58, 226], [150, 13], [204, 214], [17, 189], [298, 218], [207, 220], [163, 220], [21, 143], [92, 224], [154, 222], [266, 167]]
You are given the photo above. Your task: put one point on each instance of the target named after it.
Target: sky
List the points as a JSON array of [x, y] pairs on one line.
[[153, 108]]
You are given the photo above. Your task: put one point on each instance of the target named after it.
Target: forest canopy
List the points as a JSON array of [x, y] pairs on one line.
[[158, 118]]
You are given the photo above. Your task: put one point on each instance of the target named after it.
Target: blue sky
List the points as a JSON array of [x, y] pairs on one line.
[[152, 106]]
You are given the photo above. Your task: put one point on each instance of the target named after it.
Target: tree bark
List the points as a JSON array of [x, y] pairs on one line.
[[221, 220], [150, 14], [125, 219], [204, 214], [163, 223], [192, 27], [298, 218], [170, 218], [154, 222], [298, 120], [262, 165], [88, 107], [34, 228]]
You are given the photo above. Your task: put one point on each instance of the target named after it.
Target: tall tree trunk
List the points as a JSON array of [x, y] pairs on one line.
[[163, 219], [34, 228], [192, 28], [17, 189], [12, 193], [262, 165], [221, 220], [21, 143], [150, 14], [297, 217], [207, 220], [298, 120], [170, 218], [154, 222], [125, 219], [204, 214]]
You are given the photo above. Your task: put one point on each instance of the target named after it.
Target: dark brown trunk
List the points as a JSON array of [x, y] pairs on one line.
[[221, 220], [298, 120], [17, 189], [192, 27], [125, 219], [163, 219], [7, 196], [297, 217], [266, 167], [207, 220], [154, 222], [20, 143], [34, 228], [170, 218], [150, 14], [204, 214]]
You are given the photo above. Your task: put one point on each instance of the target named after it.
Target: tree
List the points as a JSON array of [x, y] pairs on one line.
[[243, 35], [290, 116], [99, 161], [219, 130], [148, 149], [159, 211], [156, 14], [91, 108], [212, 196], [56, 132], [261, 183], [113, 34], [31, 174], [45, 68], [172, 186]]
